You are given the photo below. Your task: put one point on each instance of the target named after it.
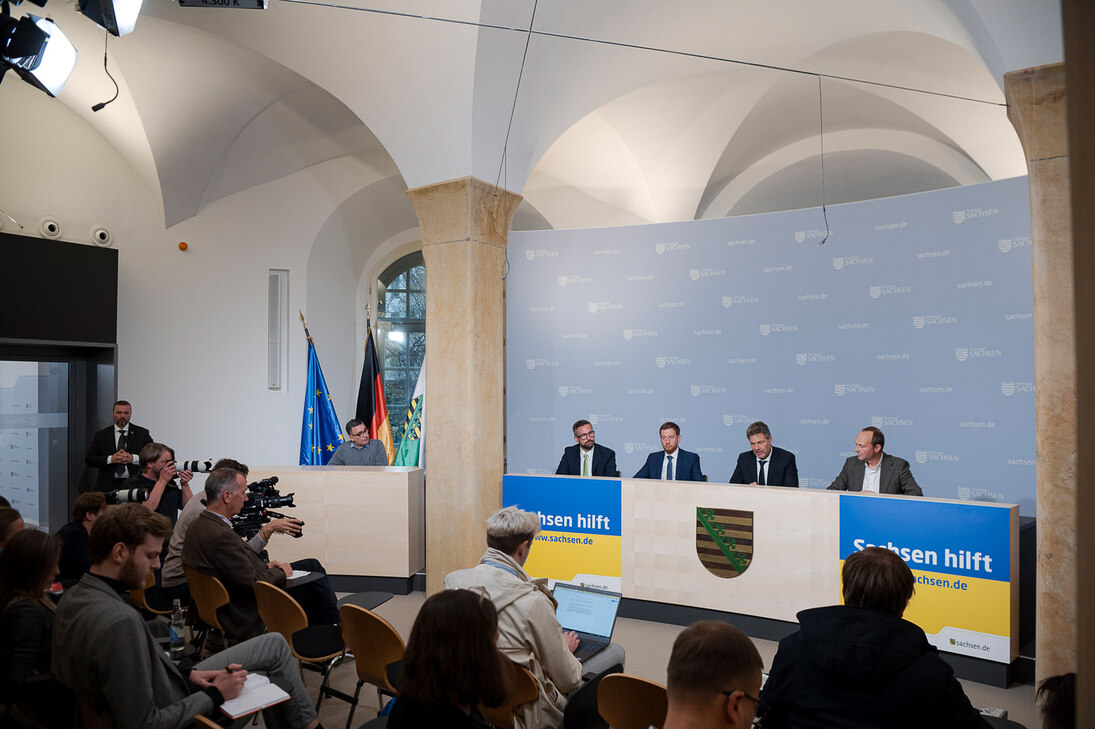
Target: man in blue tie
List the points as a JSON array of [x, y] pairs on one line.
[[671, 463]]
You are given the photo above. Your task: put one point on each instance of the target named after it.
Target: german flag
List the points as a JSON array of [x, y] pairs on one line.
[[372, 409]]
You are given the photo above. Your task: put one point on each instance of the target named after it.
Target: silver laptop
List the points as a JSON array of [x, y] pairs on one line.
[[589, 613]]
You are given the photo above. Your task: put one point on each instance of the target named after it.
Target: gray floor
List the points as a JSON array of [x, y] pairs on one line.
[[647, 645]]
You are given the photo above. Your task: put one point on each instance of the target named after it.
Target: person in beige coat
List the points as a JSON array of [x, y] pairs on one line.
[[528, 632]]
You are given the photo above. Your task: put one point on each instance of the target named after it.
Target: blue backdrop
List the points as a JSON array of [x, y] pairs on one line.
[[916, 315]]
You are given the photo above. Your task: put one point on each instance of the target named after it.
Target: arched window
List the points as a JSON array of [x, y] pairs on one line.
[[401, 333]]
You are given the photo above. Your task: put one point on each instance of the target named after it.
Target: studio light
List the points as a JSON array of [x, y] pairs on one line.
[[38, 51], [117, 16]]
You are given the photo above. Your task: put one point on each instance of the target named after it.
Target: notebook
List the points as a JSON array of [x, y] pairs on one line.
[[258, 693], [589, 613]]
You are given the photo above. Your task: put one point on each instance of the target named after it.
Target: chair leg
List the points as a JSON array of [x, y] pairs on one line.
[[353, 704]]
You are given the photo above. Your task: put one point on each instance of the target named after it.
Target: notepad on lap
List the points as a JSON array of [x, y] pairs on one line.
[[258, 693]]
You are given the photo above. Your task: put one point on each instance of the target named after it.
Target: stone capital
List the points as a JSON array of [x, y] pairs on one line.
[[467, 209]]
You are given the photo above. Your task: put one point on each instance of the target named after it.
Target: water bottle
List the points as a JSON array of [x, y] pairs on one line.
[[178, 630]]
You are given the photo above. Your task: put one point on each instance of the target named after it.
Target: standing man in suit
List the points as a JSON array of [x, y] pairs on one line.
[[114, 450], [765, 465], [874, 471], [586, 458], [671, 463]]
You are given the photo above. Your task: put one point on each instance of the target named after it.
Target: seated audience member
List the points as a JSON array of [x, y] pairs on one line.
[[5, 503], [861, 665], [172, 576], [11, 523], [359, 450], [74, 535], [1057, 696], [671, 463], [157, 476], [872, 471], [586, 458], [528, 632], [27, 567], [451, 664], [103, 651], [713, 678], [212, 548]]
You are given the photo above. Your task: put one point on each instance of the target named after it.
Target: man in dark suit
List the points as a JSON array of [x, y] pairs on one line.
[[671, 463], [212, 548], [765, 465], [114, 450], [586, 458], [873, 471]]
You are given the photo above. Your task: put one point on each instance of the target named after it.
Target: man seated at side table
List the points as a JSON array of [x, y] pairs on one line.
[[102, 649], [213, 548], [360, 450], [860, 666], [528, 632], [713, 679]]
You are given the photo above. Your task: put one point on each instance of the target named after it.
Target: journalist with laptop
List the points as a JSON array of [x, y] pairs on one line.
[[528, 631]]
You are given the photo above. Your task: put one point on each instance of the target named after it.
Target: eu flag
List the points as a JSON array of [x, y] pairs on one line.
[[320, 433]]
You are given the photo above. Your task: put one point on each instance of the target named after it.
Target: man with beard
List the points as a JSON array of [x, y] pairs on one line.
[[103, 651], [114, 450]]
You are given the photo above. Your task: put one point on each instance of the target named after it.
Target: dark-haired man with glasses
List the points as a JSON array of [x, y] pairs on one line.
[[360, 450], [714, 678], [586, 458]]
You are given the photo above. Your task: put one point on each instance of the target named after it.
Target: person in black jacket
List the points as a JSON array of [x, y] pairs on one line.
[[451, 665], [114, 450], [74, 536], [27, 567], [859, 665]]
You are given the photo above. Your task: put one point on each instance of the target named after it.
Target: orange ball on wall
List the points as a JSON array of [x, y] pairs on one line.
[[183, 246]]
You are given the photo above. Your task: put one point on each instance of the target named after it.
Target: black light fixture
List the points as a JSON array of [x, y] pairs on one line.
[[118, 17], [37, 50]]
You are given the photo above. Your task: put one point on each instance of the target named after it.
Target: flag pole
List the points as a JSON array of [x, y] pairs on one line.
[[306, 334]]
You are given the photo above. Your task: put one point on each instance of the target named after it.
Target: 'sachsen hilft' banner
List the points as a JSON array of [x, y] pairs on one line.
[[579, 541], [963, 559]]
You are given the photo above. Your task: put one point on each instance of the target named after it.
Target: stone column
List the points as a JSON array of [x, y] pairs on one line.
[[1036, 107], [1078, 21], [464, 226]]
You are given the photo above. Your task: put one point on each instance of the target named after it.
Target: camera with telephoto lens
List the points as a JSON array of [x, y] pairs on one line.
[[139, 495], [262, 498]]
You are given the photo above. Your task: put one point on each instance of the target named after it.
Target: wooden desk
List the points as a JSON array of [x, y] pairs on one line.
[[359, 520]]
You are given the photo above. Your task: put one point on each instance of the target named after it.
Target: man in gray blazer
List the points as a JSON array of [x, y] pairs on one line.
[[103, 651], [874, 471]]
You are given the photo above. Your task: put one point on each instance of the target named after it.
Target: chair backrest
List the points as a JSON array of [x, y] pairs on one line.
[[208, 594], [630, 702], [202, 722], [139, 599], [521, 688], [581, 708], [374, 643], [281, 613]]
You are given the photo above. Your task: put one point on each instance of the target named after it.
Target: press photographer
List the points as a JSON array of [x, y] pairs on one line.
[[262, 497], [157, 478], [265, 526]]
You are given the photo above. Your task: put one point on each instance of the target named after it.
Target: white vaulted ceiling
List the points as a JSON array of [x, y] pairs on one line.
[[626, 111]]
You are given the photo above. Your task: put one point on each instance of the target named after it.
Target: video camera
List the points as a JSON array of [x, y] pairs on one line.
[[262, 497], [140, 495]]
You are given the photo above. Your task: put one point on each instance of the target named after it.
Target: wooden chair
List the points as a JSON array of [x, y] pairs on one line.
[[140, 599], [208, 595], [630, 702], [581, 708], [203, 722], [375, 644], [317, 647], [521, 688]]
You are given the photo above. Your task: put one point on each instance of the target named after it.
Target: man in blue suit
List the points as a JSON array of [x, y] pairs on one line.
[[671, 463], [764, 464], [586, 458]]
